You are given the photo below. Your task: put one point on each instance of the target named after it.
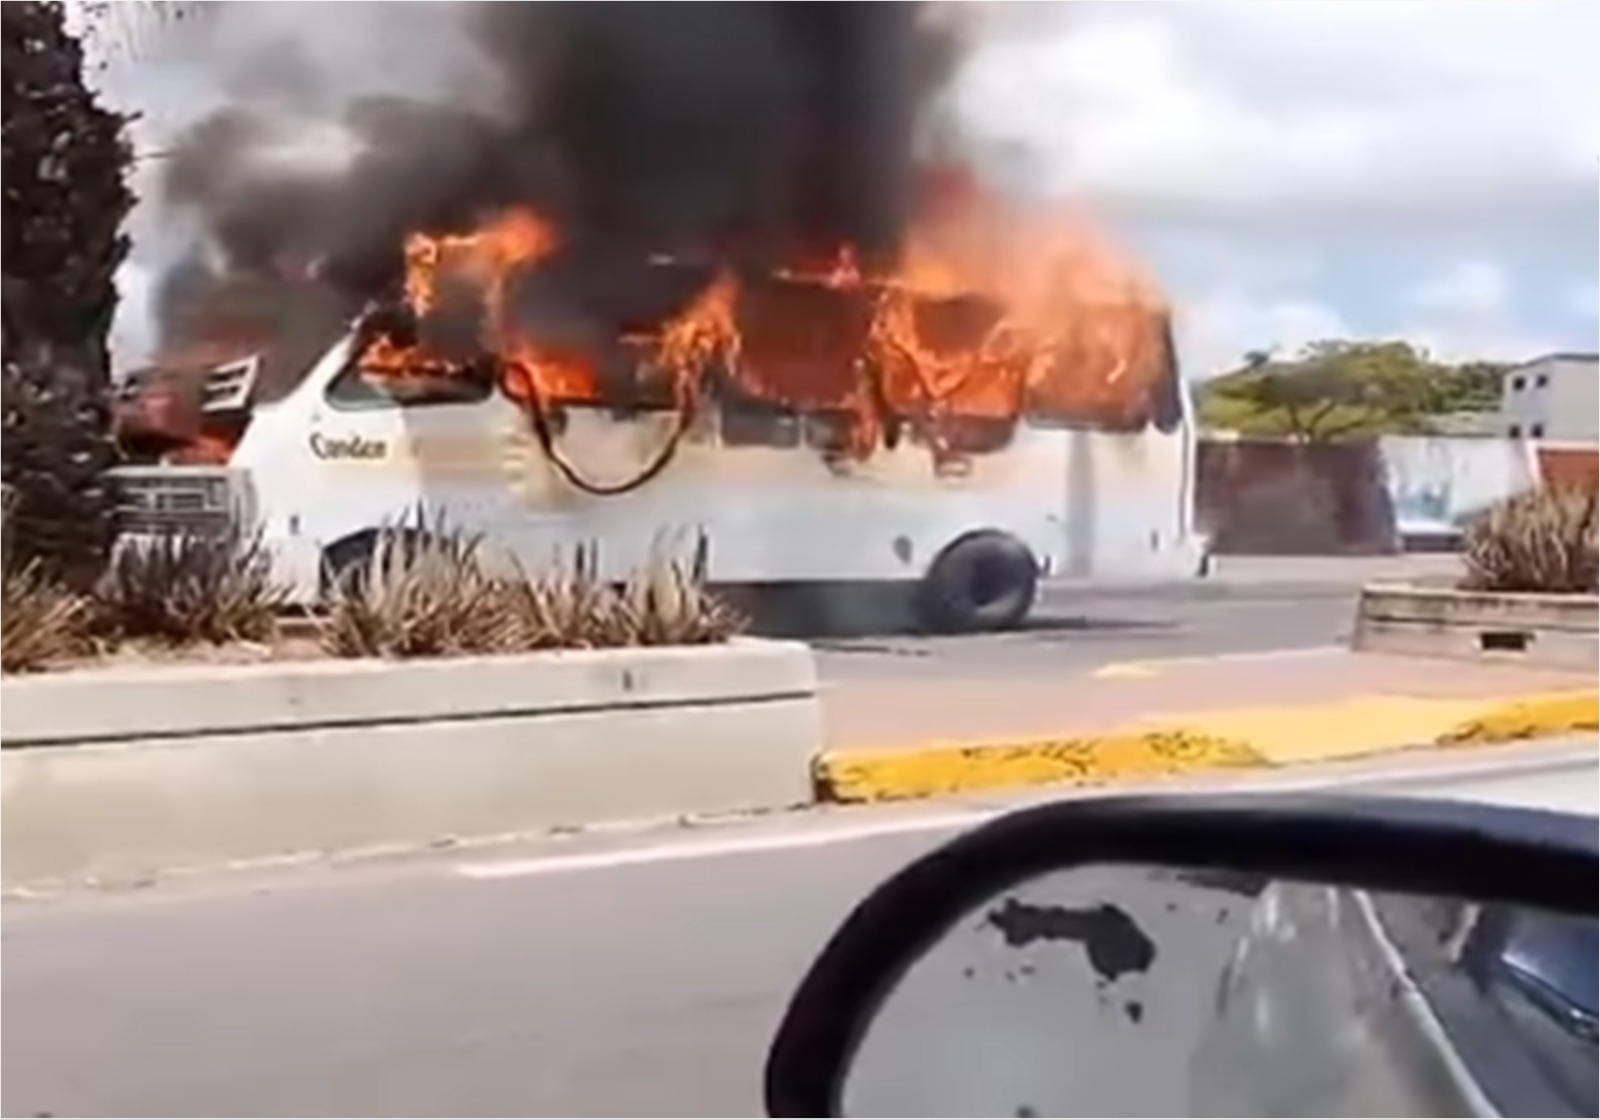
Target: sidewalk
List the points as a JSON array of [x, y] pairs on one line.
[[892, 740]]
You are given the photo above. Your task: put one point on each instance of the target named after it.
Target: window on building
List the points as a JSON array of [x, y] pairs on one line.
[[1518, 384], [1515, 431], [1541, 380], [1536, 430]]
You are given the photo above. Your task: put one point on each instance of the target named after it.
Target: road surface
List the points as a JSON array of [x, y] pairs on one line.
[[1249, 605], [1079, 630], [629, 974]]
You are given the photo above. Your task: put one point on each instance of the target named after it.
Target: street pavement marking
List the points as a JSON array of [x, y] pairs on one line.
[[1472, 778], [730, 845], [1144, 669], [1407, 994]]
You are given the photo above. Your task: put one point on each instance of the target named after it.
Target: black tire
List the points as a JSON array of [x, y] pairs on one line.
[[346, 562], [983, 582]]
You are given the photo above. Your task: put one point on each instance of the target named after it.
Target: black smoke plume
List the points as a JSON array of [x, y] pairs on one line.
[[743, 135]]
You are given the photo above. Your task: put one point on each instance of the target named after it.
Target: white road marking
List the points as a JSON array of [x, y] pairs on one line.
[[1415, 1004], [1154, 667], [726, 846], [1561, 777]]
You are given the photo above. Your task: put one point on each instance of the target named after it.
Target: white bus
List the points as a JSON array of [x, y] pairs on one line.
[[767, 488]]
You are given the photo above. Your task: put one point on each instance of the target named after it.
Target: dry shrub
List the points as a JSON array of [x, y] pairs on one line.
[[420, 594], [429, 593], [663, 603], [667, 603], [41, 621], [181, 588], [564, 607], [1542, 541]]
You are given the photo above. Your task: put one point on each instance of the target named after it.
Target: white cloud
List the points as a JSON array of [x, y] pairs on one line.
[[1390, 168], [1472, 287], [1462, 340], [1435, 110], [1217, 328], [1464, 312], [1583, 300]]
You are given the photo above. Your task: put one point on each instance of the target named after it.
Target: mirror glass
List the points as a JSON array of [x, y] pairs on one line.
[[1114, 990]]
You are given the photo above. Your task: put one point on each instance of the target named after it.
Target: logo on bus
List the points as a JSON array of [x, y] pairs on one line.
[[347, 448]]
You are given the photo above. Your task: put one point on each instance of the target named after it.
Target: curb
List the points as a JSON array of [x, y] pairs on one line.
[[1195, 745], [1537, 717]]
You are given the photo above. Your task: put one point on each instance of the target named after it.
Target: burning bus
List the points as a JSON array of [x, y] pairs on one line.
[[695, 269], [1002, 406]]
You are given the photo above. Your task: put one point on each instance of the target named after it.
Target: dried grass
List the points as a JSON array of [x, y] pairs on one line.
[[41, 621], [429, 593], [1543, 541], [179, 588], [420, 594]]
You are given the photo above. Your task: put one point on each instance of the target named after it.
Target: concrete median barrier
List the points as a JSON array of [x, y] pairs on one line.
[[123, 773], [1553, 630]]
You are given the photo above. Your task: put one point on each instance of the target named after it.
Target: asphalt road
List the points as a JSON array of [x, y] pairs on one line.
[[1075, 630], [630, 974]]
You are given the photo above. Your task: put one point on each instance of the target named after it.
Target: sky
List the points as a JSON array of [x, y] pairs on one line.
[[1418, 169], [1294, 170]]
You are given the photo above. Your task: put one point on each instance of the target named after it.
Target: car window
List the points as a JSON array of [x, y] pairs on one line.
[[356, 388], [1559, 957], [1515, 993]]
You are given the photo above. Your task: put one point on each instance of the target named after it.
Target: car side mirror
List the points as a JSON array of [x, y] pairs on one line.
[[1210, 956]]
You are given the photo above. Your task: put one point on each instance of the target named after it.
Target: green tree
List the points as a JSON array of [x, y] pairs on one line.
[[65, 195], [1342, 390]]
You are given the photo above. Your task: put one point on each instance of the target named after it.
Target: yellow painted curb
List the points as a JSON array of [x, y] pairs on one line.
[[860, 776], [1538, 717], [1252, 738]]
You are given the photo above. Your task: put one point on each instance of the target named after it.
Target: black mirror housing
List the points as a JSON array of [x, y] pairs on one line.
[[1484, 855]]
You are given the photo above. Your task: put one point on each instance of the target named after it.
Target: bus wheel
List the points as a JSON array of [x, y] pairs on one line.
[[982, 582], [348, 563]]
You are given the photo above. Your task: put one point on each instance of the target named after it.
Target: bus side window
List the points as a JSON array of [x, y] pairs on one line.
[[749, 423], [355, 389]]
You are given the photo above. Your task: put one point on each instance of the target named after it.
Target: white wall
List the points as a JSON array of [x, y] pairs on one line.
[[1553, 397], [1438, 482]]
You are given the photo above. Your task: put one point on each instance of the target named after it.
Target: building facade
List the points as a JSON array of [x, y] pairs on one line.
[[1556, 396]]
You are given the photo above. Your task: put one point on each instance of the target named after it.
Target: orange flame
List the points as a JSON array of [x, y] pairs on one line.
[[701, 335], [994, 312]]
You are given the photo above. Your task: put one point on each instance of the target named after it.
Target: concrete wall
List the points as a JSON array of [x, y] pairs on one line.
[[1267, 497], [1364, 497], [1437, 483], [119, 774], [1575, 467]]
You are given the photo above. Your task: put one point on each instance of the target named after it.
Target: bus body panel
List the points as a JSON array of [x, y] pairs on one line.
[[1087, 503]]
